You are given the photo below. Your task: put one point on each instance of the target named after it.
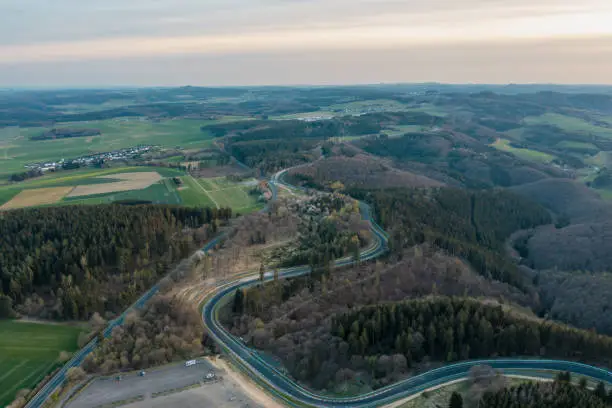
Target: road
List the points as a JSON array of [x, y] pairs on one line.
[[283, 387], [58, 379], [293, 394]]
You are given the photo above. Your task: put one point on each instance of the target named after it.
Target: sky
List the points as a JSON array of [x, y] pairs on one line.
[[283, 42]]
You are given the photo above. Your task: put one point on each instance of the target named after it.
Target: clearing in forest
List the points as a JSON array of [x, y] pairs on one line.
[[30, 351], [37, 196], [129, 181], [522, 153], [235, 195]]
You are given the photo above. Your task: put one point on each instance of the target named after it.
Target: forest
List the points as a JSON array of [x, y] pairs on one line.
[[165, 330], [272, 145], [327, 336], [62, 133], [292, 319], [331, 228], [470, 224], [451, 329], [272, 155], [559, 394], [69, 262]]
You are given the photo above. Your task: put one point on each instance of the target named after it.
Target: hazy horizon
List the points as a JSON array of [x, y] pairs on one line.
[[70, 43]]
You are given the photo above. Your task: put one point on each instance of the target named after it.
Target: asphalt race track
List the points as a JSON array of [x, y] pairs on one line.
[[293, 394], [283, 387]]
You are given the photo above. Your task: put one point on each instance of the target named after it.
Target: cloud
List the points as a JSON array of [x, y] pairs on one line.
[[552, 61], [35, 21], [376, 31], [68, 34]]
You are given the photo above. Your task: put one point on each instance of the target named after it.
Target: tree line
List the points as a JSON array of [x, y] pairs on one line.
[[472, 224], [69, 262], [560, 394], [272, 145], [271, 155], [451, 329], [167, 329]]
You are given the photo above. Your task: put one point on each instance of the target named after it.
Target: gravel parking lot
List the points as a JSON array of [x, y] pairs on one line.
[[224, 393], [220, 393]]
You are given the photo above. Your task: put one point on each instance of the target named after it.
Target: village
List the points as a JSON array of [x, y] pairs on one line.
[[97, 158]]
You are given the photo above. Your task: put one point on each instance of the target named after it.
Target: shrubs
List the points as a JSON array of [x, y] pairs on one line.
[[166, 330]]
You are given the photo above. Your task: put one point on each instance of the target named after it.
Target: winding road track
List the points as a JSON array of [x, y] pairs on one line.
[[291, 393]]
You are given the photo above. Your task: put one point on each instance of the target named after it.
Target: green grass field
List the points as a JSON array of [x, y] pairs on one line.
[[6, 194], [162, 192], [401, 130], [306, 115], [16, 148], [572, 145], [229, 194], [28, 352], [373, 105], [605, 194], [601, 159], [193, 194], [515, 134], [569, 123], [526, 154], [98, 176]]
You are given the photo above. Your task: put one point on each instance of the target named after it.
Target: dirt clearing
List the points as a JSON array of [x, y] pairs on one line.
[[129, 181], [250, 389], [191, 164], [38, 196]]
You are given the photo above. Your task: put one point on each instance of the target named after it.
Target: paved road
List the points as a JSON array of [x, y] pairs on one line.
[[58, 379], [295, 395], [277, 382]]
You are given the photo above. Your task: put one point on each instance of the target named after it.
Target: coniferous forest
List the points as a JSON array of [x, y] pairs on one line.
[[556, 395], [470, 224], [451, 329], [69, 262]]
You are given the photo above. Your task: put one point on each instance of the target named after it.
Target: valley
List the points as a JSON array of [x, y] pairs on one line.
[[350, 245]]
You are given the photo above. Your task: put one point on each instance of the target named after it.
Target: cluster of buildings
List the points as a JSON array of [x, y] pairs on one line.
[[97, 158]]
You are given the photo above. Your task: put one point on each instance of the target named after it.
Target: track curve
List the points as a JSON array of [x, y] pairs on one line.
[[294, 394]]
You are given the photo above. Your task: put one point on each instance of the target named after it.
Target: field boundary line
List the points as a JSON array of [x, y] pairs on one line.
[[16, 387], [9, 372], [205, 191]]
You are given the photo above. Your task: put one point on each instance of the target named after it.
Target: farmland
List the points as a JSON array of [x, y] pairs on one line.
[[92, 179], [127, 182], [573, 145], [231, 194], [28, 352], [569, 124], [37, 196], [124, 184], [16, 148], [526, 154], [193, 194], [162, 192]]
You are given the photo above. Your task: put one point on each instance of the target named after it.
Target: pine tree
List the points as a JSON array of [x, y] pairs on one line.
[[456, 401], [238, 306], [600, 391]]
